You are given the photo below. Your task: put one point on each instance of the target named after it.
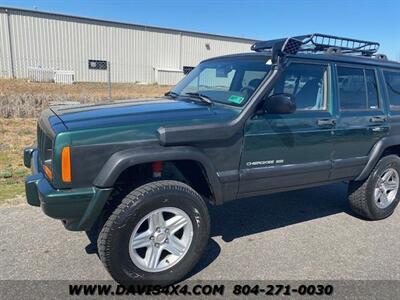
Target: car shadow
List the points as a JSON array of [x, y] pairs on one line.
[[252, 215], [249, 216]]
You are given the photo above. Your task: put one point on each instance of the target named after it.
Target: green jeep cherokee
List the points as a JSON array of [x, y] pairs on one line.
[[294, 113]]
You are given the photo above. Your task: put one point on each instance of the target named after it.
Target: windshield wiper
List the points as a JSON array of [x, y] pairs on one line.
[[172, 94], [203, 98]]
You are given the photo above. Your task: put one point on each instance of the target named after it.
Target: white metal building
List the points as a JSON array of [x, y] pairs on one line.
[[136, 53]]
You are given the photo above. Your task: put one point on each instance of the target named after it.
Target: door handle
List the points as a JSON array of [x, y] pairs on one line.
[[378, 119], [326, 122]]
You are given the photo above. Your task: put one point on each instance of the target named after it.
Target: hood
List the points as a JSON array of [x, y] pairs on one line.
[[159, 111]]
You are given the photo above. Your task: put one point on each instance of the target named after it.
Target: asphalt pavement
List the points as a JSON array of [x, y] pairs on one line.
[[299, 235]]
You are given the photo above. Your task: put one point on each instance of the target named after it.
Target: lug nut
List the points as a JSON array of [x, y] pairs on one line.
[[158, 229], [157, 245], [166, 230], [152, 237]]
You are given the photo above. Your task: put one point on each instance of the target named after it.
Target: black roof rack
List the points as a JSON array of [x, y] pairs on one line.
[[315, 43]]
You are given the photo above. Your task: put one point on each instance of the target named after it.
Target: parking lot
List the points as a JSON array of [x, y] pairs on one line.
[[306, 234]]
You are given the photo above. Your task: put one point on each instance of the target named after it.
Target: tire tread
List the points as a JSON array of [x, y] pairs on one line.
[[360, 193], [103, 243]]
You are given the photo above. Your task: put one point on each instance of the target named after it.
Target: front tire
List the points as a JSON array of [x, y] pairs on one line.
[[156, 235], [377, 197]]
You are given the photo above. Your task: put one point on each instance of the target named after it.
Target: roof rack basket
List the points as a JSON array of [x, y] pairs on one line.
[[316, 43]]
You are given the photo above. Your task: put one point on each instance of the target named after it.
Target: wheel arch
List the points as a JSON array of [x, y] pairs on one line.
[[385, 146], [125, 159]]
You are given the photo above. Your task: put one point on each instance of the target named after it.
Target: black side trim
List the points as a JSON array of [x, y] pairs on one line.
[[228, 176], [286, 189], [376, 153], [256, 173], [121, 160], [350, 162], [278, 177], [348, 167]]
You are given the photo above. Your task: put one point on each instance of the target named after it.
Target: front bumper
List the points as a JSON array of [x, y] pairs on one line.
[[77, 208]]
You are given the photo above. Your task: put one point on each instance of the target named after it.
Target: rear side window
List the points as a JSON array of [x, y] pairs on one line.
[[393, 87], [357, 88]]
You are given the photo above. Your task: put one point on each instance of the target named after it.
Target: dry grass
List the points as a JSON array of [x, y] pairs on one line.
[[23, 99], [15, 135], [19, 98]]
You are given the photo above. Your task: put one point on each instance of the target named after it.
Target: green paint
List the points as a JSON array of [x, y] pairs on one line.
[[80, 206]]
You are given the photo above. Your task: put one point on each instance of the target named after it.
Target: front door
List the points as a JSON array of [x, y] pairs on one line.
[[284, 151]]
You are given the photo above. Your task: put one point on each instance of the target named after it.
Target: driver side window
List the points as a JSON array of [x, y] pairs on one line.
[[307, 83]]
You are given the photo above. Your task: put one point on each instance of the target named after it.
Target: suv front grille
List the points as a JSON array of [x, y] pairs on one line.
[[44, 144]]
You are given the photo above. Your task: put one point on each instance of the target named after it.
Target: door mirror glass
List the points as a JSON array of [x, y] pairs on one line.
[[280, 104]]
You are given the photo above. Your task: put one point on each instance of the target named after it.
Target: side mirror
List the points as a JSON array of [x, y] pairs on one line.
[[280, 104]]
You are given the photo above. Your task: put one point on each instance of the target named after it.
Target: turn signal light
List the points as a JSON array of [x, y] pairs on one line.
[[48, 172], [66, 164]]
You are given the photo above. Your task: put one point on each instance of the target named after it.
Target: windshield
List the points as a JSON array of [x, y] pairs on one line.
[[225, 80]]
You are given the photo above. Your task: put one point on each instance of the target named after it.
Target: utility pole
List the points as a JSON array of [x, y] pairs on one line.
[[109, 79], [10, 45]]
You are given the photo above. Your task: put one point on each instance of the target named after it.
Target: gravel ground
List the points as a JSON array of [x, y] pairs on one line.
[[305, 234]]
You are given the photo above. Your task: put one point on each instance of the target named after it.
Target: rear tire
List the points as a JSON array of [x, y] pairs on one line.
[[375, 198], [159, 261]]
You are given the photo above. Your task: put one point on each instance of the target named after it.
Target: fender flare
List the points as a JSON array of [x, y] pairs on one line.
[[121, 160], [376, 154]]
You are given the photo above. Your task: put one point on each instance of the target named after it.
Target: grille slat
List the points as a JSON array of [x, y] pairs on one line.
[[44, 144]]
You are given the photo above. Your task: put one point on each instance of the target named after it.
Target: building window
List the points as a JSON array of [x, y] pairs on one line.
[[97, 64], [187, 69]]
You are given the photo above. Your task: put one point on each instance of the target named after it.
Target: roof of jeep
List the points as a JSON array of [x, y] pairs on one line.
[[342, 58]]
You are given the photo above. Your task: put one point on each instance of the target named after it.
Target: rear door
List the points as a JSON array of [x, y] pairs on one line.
[[361, 121]]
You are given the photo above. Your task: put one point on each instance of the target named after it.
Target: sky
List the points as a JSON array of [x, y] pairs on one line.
[[364, 19]]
